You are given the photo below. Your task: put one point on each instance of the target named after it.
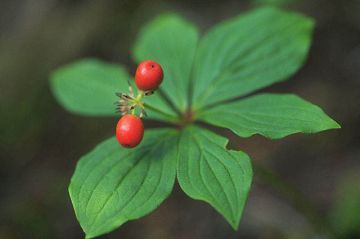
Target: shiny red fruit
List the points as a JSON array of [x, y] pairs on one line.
[[148, 76], [129, 131]]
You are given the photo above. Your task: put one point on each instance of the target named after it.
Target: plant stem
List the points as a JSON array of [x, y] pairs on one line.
[[138, 101], [297, 199], [169, 116]]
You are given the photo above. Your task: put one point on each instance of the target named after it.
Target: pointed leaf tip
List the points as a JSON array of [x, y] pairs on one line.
[[209, 172], [112, 185]]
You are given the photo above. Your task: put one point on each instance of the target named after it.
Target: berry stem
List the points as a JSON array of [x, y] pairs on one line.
[[139, 102], [133, 102], [139, 96]]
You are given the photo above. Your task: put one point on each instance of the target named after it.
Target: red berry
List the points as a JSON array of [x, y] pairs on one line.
[[129, 131], [149, 75]]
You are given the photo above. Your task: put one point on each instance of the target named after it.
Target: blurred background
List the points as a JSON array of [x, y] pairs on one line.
[[40, 142]]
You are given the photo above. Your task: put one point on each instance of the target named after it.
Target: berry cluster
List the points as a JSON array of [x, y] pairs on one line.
[[130, 129]]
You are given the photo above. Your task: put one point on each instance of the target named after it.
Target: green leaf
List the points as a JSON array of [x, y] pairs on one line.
[[112, 185], [88, 87], [271, 115], [208, 171], [172, 42], [249, 52]]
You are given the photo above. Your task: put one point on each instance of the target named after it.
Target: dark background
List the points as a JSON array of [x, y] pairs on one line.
[[40, 142]]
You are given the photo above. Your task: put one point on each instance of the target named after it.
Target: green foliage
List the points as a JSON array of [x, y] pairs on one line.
[[208, 171], [87, 87], [170, 41], [271, 115], [249, 52], [112, 185]]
